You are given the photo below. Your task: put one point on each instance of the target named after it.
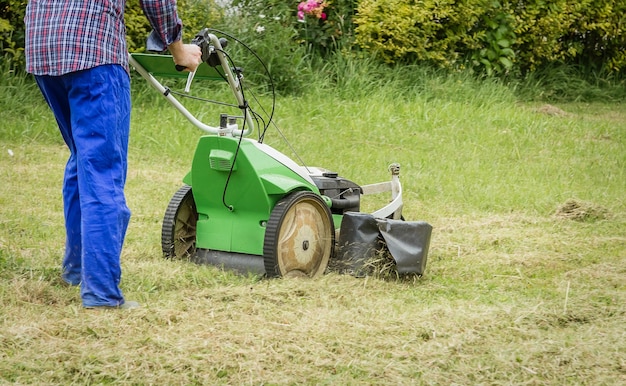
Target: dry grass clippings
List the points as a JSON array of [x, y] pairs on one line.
[[578, 210]]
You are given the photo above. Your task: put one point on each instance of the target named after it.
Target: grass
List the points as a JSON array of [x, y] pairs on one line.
[[520, 288]]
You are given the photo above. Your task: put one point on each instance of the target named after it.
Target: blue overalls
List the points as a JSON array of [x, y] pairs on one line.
[[92, 109]]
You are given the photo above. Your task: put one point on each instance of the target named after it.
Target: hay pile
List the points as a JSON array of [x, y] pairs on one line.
[[551, 110], [578, 210]]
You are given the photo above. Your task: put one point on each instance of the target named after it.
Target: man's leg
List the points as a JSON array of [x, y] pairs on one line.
[[55, 93], [100, 104]]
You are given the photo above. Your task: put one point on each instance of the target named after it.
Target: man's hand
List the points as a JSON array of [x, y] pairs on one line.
[[188, 56]]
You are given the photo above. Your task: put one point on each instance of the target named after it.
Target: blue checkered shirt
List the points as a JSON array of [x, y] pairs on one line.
[[65, 36]]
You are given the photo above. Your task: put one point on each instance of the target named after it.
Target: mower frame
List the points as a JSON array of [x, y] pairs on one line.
[[244, 205]]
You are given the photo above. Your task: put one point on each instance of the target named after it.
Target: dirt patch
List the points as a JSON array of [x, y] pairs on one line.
[[578, 210], [551, 110]]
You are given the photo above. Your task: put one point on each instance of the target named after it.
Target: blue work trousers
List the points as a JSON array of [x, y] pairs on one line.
[[92, 109]]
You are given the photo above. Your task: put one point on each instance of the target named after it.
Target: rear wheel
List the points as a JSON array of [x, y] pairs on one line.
[[299, 238], [178, 235]]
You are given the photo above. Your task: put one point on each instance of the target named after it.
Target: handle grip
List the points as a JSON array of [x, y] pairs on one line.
[[180, 68]]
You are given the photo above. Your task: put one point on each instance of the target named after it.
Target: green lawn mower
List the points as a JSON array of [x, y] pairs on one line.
[[246, 206]]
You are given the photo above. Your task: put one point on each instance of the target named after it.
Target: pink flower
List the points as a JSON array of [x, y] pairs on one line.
[[312, 7]]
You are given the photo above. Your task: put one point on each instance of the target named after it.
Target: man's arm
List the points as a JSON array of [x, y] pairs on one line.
[[186, 55], [167, 33]]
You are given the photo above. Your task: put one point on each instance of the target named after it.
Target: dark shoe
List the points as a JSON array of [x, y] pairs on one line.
[[64, 282], [130, 305], [71, 279], [125, 306]]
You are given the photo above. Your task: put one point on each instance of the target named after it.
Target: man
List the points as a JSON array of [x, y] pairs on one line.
[[77, 51]]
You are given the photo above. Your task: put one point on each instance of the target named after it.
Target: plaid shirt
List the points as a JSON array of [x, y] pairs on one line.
[[65, 36]]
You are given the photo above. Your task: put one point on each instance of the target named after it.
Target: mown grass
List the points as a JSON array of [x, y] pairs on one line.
[[517, 291]]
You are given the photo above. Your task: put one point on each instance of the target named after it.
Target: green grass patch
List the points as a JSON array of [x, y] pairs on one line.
[[524, 282]]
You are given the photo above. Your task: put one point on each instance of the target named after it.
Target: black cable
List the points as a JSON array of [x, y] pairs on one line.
[[267, 71], [185, 95], [232, 166], [271, 80], [257, 117], [245, 109]]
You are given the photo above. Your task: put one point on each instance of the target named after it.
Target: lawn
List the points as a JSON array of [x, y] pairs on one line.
[[525, 281]]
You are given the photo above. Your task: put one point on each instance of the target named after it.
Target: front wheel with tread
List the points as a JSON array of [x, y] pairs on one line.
[[300, 237], [178, 235]]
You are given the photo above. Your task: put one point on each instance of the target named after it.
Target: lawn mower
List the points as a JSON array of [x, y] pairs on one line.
[[244, 205]]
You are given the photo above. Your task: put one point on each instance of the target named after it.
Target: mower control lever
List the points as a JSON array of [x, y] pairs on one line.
[[214, 55], [189, 79], [209, 54]]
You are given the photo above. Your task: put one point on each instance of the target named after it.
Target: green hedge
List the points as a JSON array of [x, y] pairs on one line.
[[436, 31], [12, 33], [196, 14], [591, 33], [496, 35]]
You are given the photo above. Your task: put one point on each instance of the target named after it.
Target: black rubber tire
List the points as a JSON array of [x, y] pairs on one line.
[[299, 237], [178, 235]]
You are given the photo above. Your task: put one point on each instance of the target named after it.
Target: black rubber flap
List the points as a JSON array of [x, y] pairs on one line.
[[362, 236], [359, 241], [407, 242]]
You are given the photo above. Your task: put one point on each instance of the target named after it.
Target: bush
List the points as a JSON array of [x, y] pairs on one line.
[[288, 41], [445, 34], [325, 26], [588, 33], [409, 31], [12, 35], [195, 14], [497, 35], [269, 29]]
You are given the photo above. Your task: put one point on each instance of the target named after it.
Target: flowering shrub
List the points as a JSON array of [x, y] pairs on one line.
[[314, 8], [325, 25]]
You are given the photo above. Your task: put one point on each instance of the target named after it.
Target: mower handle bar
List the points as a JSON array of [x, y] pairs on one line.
[[211, 46]]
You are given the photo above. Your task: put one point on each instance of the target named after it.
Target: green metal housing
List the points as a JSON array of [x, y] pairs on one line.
[[236, 185]]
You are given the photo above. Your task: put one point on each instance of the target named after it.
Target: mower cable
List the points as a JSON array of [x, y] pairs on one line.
[[245, 107], [232, 166], [271, 80], [184, 95]]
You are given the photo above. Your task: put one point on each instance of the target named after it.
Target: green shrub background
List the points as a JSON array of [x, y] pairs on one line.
[[444, 33], [497, 35], [196, 14], [12, 33], [487, 36]]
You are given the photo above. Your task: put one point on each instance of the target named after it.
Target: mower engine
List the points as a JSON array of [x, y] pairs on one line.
[[344, 194]]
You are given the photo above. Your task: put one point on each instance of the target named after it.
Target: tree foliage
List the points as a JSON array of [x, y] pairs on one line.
[[497, 35], [12, 32], [491, 36], [196, 14], [591, 33]]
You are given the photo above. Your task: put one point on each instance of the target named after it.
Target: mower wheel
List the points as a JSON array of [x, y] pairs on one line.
[[299, 238], [178, 236]]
